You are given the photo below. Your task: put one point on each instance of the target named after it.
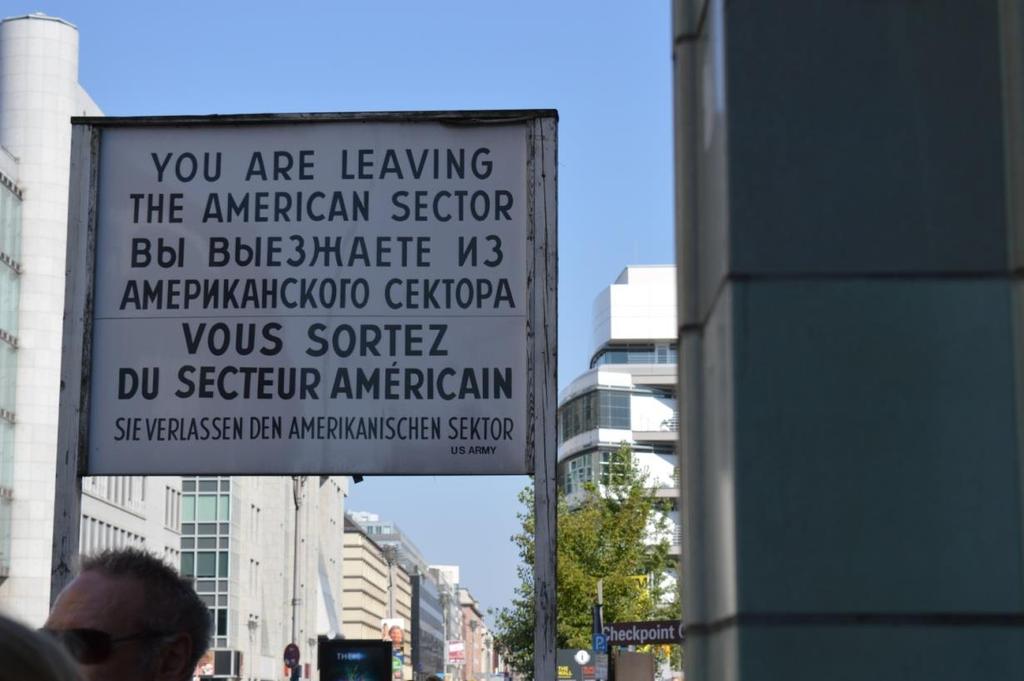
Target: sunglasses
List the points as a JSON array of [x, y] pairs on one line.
[[92, 646]]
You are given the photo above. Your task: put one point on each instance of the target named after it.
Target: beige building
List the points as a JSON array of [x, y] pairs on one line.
[[376, 588]]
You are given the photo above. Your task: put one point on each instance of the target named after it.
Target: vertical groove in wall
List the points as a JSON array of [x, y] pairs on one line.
[[1011, 20]]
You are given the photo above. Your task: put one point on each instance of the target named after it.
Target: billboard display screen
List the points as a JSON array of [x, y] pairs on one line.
[[354, 660]]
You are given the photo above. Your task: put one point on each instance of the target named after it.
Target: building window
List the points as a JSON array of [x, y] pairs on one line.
[[578, 472], [222, 622], [610, 464], [206, 508], [206, 530], [254, 575], [659, 353], [595, 409], [206, 564], [10, 290], [614, 408], [172, 509]]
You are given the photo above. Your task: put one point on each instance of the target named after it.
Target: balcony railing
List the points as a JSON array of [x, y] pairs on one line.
[[656, 425]]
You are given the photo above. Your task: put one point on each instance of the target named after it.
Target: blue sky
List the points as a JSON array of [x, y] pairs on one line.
[[606, 67]]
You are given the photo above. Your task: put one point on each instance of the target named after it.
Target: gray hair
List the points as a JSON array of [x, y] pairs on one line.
[[27, 654], [171, 603]]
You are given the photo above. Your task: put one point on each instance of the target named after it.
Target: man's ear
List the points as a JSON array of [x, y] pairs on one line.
[[175, 656]]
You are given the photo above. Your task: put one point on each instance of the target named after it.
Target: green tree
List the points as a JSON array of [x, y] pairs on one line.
[[616, 533]]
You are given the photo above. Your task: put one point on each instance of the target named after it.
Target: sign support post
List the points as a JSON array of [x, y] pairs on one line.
[[75, 360], [542, 358]]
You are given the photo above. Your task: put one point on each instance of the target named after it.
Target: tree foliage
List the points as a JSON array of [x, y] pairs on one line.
[[616, 533]]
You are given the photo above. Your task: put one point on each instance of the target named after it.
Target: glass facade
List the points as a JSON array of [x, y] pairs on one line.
[[577, 472], [574, 473], [595, 409], [10, 274], [206, 546], [427, 627], [595, 465], [661, 353]]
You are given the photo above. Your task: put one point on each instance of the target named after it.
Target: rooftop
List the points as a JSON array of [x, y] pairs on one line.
[[39, 16]]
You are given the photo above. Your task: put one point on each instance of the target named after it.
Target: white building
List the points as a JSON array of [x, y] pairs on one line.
[[132, 511], [629, 392], [238, 541], [39, 93]]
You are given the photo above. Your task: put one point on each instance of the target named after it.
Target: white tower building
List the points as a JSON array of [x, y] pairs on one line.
[[629, 392], [39, 93]]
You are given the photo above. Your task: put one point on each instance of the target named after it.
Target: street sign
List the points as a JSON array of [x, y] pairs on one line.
[[600, 643], [291, 656], [642, 633], [575, 665], [316, 295], [456, 652]]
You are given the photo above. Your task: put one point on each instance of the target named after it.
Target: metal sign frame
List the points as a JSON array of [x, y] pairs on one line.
[[541, 337]]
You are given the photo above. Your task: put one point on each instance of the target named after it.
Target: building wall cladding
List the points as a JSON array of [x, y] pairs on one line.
[[144, 512], [852, 338], [39, 92]]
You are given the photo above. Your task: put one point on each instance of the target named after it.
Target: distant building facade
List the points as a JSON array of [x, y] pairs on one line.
[[238, 541], [427, 617], [447, 577], [376, 588], [478, 641], [144, 512], [427, 627], [629, 393], [387, 533]]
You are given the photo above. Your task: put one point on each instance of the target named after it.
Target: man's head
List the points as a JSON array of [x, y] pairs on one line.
[[128, 616]]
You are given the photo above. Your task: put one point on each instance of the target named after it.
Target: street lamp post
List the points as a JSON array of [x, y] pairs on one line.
[[298, 482]]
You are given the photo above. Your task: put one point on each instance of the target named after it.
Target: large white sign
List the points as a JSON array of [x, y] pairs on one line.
[[345, 296]]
